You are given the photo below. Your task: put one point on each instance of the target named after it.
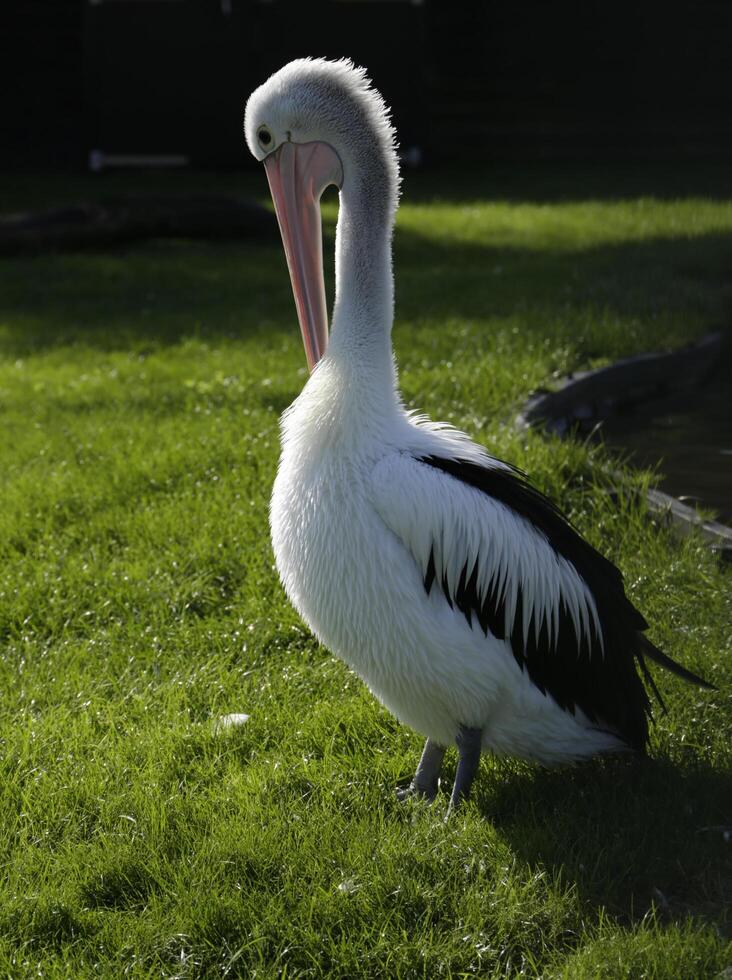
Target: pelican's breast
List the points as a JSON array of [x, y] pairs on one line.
[[327, 541], [330, 545]]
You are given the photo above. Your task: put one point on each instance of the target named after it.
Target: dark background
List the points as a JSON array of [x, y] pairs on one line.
[[501, 79]]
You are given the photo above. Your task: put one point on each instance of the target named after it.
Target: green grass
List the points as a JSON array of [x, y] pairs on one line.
[[139, 397]]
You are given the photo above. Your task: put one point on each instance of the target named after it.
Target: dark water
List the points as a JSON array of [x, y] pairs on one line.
[[688, 437]]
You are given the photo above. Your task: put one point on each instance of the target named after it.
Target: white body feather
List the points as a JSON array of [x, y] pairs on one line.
[[353, 515]]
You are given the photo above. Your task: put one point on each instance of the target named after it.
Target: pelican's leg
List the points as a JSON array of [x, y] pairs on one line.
[[428, 772], [468, 743]]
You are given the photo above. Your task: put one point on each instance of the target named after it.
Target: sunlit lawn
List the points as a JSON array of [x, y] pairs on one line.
[[139, 397]]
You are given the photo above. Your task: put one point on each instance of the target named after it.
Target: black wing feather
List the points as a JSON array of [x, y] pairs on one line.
[[574, 670]]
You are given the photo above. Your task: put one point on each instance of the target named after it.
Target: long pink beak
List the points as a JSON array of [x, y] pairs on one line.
[[298, 173]]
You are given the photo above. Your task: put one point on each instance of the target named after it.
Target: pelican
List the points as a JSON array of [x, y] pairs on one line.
[[465, 600]]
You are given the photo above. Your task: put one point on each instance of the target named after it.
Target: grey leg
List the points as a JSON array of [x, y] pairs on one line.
[[428, 772], [468, 744]]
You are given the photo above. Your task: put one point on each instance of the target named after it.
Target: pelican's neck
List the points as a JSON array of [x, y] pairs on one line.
[[364, 296]]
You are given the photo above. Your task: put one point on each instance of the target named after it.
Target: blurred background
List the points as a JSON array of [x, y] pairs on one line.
[[122, 121], [164, 81]]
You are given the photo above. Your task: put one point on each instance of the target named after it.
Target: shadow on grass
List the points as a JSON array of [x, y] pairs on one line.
[[521, 180], [164, 292], [544, 182], [628, 834]]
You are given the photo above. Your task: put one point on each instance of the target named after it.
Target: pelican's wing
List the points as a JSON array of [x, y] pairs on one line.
[[505, 557]]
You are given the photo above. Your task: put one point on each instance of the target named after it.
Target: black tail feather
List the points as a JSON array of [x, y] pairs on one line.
[[659, 657], [648, 678]]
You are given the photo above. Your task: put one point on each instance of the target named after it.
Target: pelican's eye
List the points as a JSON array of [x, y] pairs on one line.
[[264, 136]]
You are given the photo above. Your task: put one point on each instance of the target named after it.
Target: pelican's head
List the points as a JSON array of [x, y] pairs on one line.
[[315, 123]]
